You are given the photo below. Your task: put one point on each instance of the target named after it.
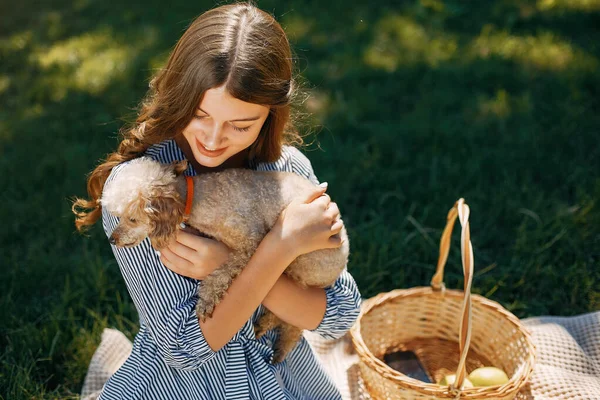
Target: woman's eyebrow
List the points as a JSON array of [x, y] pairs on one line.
[[235, 120]]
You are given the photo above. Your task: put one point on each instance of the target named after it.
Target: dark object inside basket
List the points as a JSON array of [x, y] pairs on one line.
[[407, 363]]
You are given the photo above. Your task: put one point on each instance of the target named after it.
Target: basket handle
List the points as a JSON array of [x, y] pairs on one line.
[[460, 209]]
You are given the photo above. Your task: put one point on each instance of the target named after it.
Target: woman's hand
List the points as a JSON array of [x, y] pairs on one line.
[[309, 224], [192, 255]]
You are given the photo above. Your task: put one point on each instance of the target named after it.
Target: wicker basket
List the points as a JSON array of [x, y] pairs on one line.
[[450, 331]]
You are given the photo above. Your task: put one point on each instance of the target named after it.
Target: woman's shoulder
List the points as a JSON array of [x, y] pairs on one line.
[[164, 152], [291, 160]]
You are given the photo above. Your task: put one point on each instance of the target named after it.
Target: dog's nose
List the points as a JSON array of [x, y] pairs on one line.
[[112, 240]]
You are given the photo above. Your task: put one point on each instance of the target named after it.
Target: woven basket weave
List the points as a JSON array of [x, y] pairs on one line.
[[450, 331]]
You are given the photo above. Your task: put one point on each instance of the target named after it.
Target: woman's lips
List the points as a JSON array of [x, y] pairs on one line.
[[209, 153]]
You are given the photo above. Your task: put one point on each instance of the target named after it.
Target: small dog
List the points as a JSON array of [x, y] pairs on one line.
[[237, 207]]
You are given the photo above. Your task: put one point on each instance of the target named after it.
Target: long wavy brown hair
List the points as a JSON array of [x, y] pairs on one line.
[[237, 46]]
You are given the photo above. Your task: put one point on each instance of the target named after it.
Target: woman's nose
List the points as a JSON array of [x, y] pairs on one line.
[[213, 136]]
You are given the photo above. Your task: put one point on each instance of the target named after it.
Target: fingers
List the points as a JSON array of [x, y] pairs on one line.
[[322, 201], [190, 240], [174, 262], [337, 227], [335, 241], [167, 263], [314, 194], [183, 251], [333, 212]]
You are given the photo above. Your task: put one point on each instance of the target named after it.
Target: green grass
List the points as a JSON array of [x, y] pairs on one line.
[[417, 103]]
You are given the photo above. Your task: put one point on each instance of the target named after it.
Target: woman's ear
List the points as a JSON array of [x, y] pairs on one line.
[[165, 210]]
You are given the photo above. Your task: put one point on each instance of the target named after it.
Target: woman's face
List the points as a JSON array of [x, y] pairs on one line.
[[223, 126]]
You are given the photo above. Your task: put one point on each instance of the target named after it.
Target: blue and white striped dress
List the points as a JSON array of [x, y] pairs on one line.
[[172, 360]]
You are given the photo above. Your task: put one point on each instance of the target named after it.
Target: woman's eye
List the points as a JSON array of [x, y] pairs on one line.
[[199, 116], [246, 129]]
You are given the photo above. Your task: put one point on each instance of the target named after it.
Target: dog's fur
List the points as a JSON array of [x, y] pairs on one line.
[[237, 207]]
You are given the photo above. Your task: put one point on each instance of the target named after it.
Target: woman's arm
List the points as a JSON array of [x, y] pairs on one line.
[[246, 292], [304, 226], [343, 307], [329, 312], [255, 284], [165, 301], [301, 307]]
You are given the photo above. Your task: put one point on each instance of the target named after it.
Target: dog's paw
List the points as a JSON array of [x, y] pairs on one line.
[[280, 350], [279, 355], [204, 309], [209, 310], [259, 331]]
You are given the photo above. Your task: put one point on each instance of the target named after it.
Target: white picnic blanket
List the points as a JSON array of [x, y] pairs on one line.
[[567, 368]]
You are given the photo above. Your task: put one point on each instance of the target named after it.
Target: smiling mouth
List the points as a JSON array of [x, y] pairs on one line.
[[209, 148], [208, 151]]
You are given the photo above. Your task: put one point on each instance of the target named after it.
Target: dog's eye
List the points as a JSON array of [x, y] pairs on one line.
[[131, 219]]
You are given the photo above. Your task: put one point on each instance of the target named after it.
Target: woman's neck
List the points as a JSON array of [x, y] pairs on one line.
[[239, 160]]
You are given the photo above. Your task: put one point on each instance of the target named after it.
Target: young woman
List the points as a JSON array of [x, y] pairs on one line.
[[223, 101]]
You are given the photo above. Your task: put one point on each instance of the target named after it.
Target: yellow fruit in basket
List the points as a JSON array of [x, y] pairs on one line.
[[449, 380], [488, 376]]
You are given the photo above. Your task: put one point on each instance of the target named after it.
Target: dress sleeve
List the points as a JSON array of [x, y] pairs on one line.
[[165, 301], [343, 307], [343, 297]]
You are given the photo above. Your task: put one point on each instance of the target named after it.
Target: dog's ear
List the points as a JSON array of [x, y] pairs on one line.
[[165, 210], [179, 167]]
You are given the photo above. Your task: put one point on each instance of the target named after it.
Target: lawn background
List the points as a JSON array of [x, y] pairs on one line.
[[412, 105]]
